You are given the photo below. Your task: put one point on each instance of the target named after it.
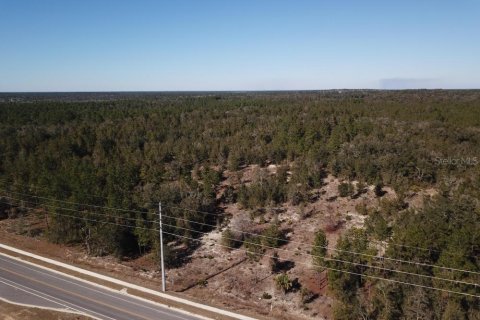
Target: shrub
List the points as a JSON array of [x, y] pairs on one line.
[[362, 208], [378, 190], [319, 249], [254, 248], [345, 189], [298, 196], [283, 282], [229, 239], [307, 295], [275, 263], [229, 196], [361, 188], [271, 236], [266, 296], [376, 224], [202, 283]]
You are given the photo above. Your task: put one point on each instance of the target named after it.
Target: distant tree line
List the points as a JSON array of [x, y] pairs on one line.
[[132, 152]]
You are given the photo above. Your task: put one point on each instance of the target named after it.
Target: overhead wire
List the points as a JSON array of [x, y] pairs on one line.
[[328, 247], [270, 247], [80, 211], [343, 271], [326, 267], [456, 254], [89, 219], [382, 258], [334, 259]]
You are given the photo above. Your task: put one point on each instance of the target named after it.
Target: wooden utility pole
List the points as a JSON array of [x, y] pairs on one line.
[[161, 245]]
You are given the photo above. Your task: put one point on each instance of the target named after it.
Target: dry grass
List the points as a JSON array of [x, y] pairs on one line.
[[15, 312]]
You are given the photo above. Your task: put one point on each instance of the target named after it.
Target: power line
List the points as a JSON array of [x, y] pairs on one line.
[[74, 203], [88, 219], [286, 250], [45, 187], [282, 240], [453, 254], [329, 268], [338, 260], [330, 248], [80, 211], [387, 243], [215, 214], [192, 210], [343, 271], [105, 207]]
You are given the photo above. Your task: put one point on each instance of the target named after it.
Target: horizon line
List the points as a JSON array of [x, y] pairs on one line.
[[239, 91]]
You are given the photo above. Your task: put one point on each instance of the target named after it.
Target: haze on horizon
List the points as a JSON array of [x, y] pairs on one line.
[[245, 45]]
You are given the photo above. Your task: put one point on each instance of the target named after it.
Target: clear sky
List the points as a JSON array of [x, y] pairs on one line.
[[74, 45]]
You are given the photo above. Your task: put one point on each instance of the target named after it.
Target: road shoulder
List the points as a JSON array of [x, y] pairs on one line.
[[167, 300]]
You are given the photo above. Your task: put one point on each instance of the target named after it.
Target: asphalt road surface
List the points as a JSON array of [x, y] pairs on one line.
[[24, 283]]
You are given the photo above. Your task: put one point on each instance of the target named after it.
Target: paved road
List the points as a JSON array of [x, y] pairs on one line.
[[24, 283]]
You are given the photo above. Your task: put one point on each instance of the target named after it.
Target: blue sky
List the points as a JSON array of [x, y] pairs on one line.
[[101, 45]]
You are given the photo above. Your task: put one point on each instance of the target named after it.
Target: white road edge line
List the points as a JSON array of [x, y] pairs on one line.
[[104, 287], [122, 283], [118, 296], [89, 313], [68, 309]]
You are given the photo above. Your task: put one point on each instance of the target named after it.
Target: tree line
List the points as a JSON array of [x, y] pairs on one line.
[[131, 152]]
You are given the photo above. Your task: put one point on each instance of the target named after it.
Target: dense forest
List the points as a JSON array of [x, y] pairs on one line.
[[130, 152]]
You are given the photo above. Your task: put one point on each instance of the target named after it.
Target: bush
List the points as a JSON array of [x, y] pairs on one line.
[[378, 190], [307, 295], [275, 263], [202, 283], [254, 248], [297, 196], [266, 296], [333, 225], [283, 282], [345, 189], [361, 188], [362, 208], [229, 196], [229, 239], [377, 225], [271, 236], [319, 249]]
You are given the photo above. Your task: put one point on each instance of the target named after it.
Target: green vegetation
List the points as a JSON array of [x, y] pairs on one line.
[[345, 189], [253, 247], [283, 282], [449, 226], [275, 264], [266, 296], [306, 296], [133, 152], [319, 249], [377, 226], [265, 190], [271, 237], [229, 239]]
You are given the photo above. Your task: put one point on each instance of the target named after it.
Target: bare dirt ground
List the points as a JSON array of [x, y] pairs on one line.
[[223, 277], [10, 311]]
